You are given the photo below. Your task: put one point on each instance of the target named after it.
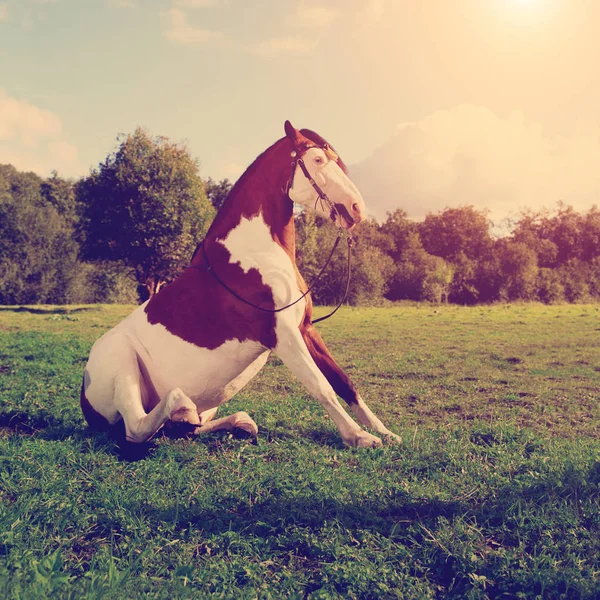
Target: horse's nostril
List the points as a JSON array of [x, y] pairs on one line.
[[356, 207]]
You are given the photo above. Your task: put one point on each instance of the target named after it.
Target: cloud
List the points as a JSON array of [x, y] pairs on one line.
[[305, 27], [31, 138], [289, 44], [312, 16], [123, 3], [194, 3], [373, 10], [232, 171], [179, 31], [469, 155], [20, 119], [3, 12]]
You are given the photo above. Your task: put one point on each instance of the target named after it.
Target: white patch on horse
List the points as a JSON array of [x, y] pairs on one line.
[[251, 245], [208, 377]]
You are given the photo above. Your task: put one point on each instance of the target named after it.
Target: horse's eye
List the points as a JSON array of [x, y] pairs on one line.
[[318, 160]]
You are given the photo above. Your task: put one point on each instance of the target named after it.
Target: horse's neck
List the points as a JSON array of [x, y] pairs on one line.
[[260, 194]]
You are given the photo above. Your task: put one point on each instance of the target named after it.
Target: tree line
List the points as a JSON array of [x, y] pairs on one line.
[[130, 226], [452, 256]]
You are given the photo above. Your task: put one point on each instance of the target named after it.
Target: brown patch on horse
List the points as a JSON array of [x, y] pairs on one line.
[[339, 381], [199, 310], [94, 419], [225, 317]]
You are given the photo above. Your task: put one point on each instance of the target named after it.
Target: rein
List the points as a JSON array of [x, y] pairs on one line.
[[210, 270], [321, 196]]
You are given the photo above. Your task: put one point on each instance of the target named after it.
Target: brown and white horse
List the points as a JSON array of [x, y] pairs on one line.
[[193, 345]]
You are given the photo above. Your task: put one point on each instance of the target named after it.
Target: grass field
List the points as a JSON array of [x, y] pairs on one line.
[[493, 493]]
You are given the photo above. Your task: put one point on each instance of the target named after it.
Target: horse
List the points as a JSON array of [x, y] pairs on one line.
[[200, 339]]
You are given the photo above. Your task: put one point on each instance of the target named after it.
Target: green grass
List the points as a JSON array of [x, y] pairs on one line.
[[493, 493]]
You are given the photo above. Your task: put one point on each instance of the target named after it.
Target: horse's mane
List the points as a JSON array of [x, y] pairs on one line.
[[321, 141]]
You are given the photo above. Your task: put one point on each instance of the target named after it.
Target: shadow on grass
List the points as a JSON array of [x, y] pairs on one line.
[[45, 425]]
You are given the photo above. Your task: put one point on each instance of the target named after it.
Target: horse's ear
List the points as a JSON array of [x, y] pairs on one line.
[[292, 133]]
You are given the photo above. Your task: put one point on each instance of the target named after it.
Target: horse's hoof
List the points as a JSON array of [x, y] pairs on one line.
[[245, 427], [392, 438], [364, 439]]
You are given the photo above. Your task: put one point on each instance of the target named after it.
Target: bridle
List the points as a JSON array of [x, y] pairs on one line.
[[334, 213]]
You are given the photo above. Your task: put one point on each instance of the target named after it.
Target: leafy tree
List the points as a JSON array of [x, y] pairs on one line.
[[371, 267], [533, 230], [590, 235], [456, 234], [594, 277], [217, 192], [38, 252], [60, 193], [399, 231], [518, 270], [145, 206], [418, 275], [575, 277], [550, 288], [463, 289]]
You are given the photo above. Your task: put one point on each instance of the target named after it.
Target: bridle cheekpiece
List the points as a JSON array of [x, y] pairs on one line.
[[298, 160]]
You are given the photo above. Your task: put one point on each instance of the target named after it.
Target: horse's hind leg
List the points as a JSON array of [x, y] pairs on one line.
[[208, 415], [239, 422], [141, 426]]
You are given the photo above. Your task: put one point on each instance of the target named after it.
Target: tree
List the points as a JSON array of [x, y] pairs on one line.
[[533, 231], [590, 236], [217, 192], [456, 233], [549, 286], [398, 230], [371, 267], [418, 275], [38, 250], [518, 270], [145, 205]]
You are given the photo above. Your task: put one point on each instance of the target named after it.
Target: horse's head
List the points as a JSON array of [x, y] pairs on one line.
[[320, 181]]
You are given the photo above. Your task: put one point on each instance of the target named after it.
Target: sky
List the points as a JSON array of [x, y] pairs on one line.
[[434, 103]]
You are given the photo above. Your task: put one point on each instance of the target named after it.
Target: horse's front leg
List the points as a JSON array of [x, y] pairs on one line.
[[293, 351], [341, 382]]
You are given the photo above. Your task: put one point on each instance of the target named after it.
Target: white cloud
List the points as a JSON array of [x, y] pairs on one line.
[[469, 155], [194, 3], [123, 3], [312, 16], [305, 27], [232, 171], [289, 44], [3, 12], [179, 31], [20, 119], [374, 9], [62, 152], [31, 138]]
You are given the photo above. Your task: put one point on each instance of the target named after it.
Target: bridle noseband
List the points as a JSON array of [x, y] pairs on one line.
[[334, 213]]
